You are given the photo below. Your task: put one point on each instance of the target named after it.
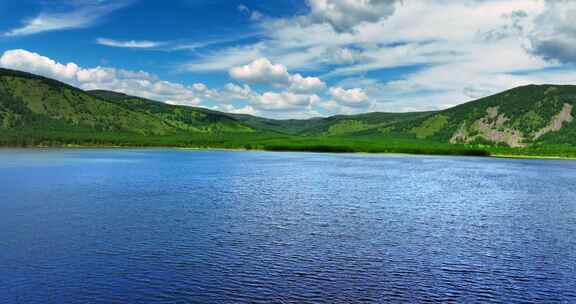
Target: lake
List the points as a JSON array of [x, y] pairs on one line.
[[183, 226]]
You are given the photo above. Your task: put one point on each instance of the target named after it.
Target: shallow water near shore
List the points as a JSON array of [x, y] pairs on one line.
[[185, 226]]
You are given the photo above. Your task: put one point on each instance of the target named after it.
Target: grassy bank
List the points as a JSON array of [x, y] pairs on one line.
[[266, 142], [273, 142]]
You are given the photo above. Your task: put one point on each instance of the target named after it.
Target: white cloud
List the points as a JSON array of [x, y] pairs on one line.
[[342, 56], [355, 98], [200, 87], [79, 15], [34, 63], [306, 85], [137, 74], [96, 75], [236, 110], [285, 101], [135, 44], [244, 110], [177, 45], [261, 71], [236, 92], [333, 107]]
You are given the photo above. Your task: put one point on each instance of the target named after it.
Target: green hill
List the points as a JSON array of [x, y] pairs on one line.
[[181, 118], [342, 125], [528, 116], [31, 101], [37, 111]]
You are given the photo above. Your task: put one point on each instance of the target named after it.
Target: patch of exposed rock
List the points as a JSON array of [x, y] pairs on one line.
[[557, 121], [491, 128]]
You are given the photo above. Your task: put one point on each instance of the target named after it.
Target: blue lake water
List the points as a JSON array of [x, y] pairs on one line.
[[176, 226]]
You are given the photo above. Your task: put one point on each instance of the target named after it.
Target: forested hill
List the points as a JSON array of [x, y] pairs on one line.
[[533, 115]]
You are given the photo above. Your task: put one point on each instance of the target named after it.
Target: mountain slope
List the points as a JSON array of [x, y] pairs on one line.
[[30, 101], [183, 118], [342, 125], [521, 117]]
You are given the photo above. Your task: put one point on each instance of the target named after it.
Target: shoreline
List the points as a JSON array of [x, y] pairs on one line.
[[524, 156], [496, 155]]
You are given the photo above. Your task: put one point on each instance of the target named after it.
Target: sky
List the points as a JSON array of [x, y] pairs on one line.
[[294, 58]]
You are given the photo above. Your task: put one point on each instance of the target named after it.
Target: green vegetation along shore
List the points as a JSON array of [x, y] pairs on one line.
[[528, 121]]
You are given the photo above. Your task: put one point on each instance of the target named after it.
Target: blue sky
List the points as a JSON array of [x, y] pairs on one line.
[[294, 58]]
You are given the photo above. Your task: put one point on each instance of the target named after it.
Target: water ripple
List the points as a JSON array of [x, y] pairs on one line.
[[169, 226]]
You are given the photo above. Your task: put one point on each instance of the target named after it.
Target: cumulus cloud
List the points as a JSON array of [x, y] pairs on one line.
[[345, 15], [306, 85], [37, 64], [342, 56], [261, 71], [79, 15], [273, 104], [133, 44], [236, 92], [285, 101], [355, 98], [249, 110]]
